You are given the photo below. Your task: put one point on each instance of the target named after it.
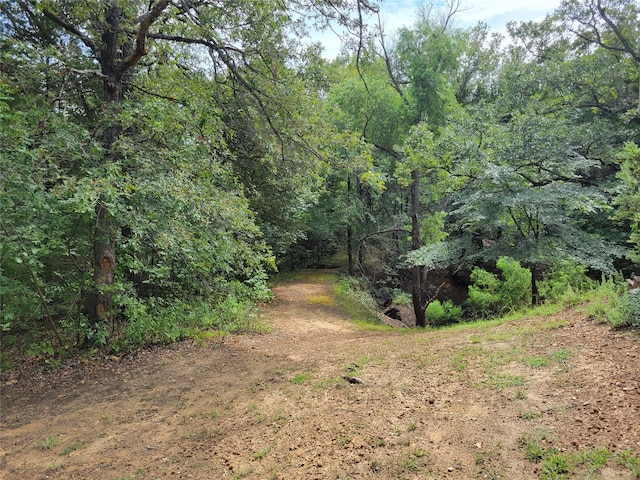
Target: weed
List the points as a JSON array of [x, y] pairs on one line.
[[243, 472], [49, 443], [302, 378], [520, 395], [262, 453], [562, 355], [628, 459], [380, 442], [412, 426], [343, 440], [503, 380], [536, 362], [596, 458], [532, 415], [71, 448], [555, 466]]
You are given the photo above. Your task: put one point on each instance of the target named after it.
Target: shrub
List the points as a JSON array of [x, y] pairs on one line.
[[443, 313], [625, 310], [490, 295], [566, 283]]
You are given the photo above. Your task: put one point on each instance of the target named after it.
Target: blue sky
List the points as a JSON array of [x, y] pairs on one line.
[[403, 13]]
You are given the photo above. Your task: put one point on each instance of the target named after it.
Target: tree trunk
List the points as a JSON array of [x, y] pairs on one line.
[[104, 266], [416, 277], [535, 296], [349, 230], [106, 226]]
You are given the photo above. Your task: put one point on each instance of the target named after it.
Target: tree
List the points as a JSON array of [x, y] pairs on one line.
[[142, 82]]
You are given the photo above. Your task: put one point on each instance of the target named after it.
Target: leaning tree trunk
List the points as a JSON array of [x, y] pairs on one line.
[[416, 277]]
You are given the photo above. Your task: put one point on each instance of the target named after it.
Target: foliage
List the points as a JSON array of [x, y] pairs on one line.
[[628, 198], [444, 313], [565, 282], [489, 294], [354, 297], [625, 310]]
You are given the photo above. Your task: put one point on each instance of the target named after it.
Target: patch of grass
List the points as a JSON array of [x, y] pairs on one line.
[[556, 464], [412, 426], [262, 453], [354, 299], [530, 415], [49, 443], [302, 378], [536, 362], [71, 448], [595, 458], [324, 300], [562, 355], [460, 359], [500, 381], [241, 473], [630, 460]]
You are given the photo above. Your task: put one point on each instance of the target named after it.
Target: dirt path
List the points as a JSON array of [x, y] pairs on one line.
[[454, 404]]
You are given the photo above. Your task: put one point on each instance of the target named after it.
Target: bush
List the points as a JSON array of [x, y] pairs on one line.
[[566, 283], [490, 295], [443, 313], [625, 311]]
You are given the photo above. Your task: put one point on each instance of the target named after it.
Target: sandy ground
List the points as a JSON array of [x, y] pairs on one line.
[[451, 403]]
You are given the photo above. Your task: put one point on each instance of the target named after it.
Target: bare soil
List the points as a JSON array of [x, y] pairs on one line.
[[452, 403]]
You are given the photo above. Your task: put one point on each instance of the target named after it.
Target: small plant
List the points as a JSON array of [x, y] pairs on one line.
[[562, 355], [628, 459], [343, 440], [412, 426], [536, 362], [49, 443], [71, 448], [530, 415], [555, 466], [262, 453], [301, 378]]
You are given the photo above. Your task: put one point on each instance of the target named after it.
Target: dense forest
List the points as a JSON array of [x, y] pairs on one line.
[[162, 160]]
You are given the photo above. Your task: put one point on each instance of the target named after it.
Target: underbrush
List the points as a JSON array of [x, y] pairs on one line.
[[355, 300], [140, 322]]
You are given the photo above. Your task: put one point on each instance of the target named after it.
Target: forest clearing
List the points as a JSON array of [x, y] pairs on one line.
[[555, 396]]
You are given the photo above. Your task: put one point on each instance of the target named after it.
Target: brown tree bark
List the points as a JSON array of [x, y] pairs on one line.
[[416, 277]]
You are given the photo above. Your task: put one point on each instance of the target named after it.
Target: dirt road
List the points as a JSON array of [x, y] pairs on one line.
[[452, 403]]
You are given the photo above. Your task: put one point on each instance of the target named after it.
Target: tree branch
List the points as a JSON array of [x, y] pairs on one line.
[[627, 45], [143, 32], [66, 24]]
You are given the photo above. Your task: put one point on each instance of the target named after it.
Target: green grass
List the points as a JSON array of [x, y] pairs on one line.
[[262, 453], [49, 443], [556, 464], [536, 362], [302, 378]]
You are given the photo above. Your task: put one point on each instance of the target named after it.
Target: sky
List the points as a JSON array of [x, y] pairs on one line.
[[402, 13]]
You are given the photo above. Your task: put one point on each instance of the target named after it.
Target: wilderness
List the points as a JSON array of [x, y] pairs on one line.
[[270, 264]]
